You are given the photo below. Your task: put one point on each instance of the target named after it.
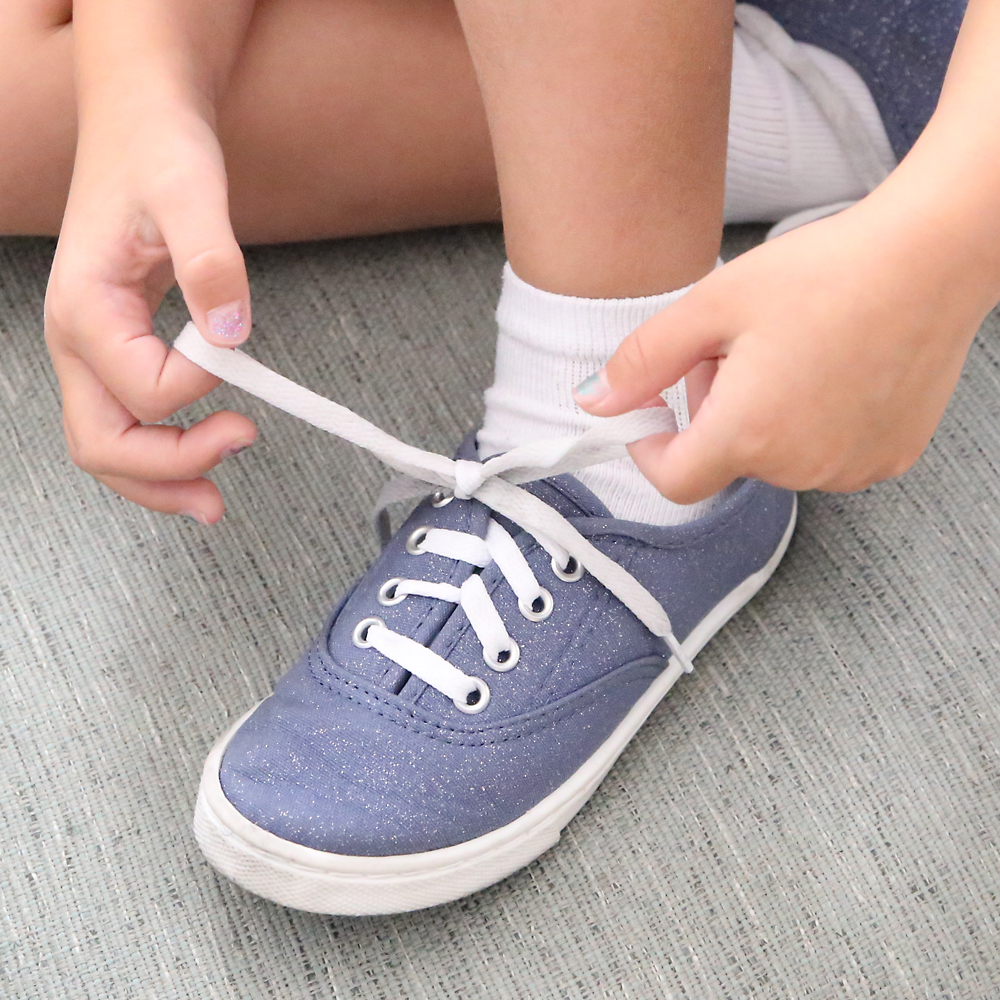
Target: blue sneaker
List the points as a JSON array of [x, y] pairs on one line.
[[468, 695]]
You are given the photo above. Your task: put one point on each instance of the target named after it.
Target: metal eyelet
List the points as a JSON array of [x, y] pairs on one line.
[[387, 592], [539, 609], [505, 659], [475, 707], [441, 499], [571, 572], [416, 540], [360, 635]]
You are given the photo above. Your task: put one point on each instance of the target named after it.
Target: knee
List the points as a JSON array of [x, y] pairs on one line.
[[37, 114], [37, 15]]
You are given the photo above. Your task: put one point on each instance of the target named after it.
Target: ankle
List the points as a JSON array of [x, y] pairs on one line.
[[547, 344]]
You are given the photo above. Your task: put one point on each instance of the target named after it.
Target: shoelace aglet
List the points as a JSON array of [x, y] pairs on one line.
[[681, 656]]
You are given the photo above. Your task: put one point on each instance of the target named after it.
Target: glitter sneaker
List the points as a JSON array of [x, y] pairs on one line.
[[468, 695]]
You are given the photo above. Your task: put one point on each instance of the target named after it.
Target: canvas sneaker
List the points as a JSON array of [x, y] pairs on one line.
[[467, 696]]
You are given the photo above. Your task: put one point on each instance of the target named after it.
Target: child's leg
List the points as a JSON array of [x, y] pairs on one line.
[[364, 116], [37, 114], [345, 117], [349, 117], [609, 128]]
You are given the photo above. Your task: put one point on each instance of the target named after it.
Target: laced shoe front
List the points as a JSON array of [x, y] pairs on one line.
[[470, 692]]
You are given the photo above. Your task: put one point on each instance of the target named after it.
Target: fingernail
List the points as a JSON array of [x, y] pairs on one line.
[[593, 388], [235, 449], [195, 516], [228, 322]]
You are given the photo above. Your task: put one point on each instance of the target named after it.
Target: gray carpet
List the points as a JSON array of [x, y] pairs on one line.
[[812, 814]]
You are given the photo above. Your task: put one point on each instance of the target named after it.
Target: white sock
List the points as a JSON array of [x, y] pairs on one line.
[[783, 157], [547, 345], [783, 154]]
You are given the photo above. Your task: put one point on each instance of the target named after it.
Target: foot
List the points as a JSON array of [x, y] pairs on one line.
[[470, 692]]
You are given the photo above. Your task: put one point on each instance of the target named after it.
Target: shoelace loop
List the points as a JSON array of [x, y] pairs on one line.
[[493, 483], [469, 476]]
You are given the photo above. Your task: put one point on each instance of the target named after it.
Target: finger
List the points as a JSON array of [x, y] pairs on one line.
[[158, 451], [655, 356], [115, 330], [694, 464], [196, 498], [207, 260], [151, 380], [106, 440], [159, 281], [109, 328]]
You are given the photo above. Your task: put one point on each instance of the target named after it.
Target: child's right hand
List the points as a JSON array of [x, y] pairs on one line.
[[148, 205]]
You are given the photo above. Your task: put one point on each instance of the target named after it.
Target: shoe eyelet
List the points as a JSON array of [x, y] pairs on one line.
[[387, 594], [500, 665], [571, 572], [539, 609], [360, 635], [481, 701], [441, 499], [414, 544]]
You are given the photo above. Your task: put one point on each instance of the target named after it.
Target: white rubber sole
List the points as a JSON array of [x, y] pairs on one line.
[[307, 879]]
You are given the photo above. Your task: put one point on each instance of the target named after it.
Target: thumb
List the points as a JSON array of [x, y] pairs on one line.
[[696, 463], [654, 356], [208, 263]]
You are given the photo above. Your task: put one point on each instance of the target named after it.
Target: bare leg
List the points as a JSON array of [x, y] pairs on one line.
[[356, 116], [343, 117], [609, 125], [37, 114]]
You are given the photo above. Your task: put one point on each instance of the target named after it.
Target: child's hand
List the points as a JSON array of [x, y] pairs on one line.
[[838, 347], [148, 203]]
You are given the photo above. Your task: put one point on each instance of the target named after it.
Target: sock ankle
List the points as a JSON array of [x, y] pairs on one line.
[[783, 155], [547, 344]]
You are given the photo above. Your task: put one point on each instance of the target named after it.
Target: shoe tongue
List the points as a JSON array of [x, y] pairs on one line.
[[568, 496], [564, 493], [421, 618]]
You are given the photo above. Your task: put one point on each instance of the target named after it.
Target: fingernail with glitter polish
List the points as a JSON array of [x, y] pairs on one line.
[[593, 388], [195, 516], [228, 322], [235, 449]]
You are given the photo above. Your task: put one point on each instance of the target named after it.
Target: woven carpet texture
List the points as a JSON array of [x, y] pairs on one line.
[[814, 813]]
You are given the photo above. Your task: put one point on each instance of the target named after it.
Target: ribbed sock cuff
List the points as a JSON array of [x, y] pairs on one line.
[[569, 325]]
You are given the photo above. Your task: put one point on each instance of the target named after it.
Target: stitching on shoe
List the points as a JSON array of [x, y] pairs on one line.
[[413, 721], [431, 728]]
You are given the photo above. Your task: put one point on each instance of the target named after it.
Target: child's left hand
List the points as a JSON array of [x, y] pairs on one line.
[[838, 347]]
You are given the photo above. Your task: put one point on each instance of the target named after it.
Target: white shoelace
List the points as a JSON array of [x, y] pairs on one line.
[[493, 483]]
